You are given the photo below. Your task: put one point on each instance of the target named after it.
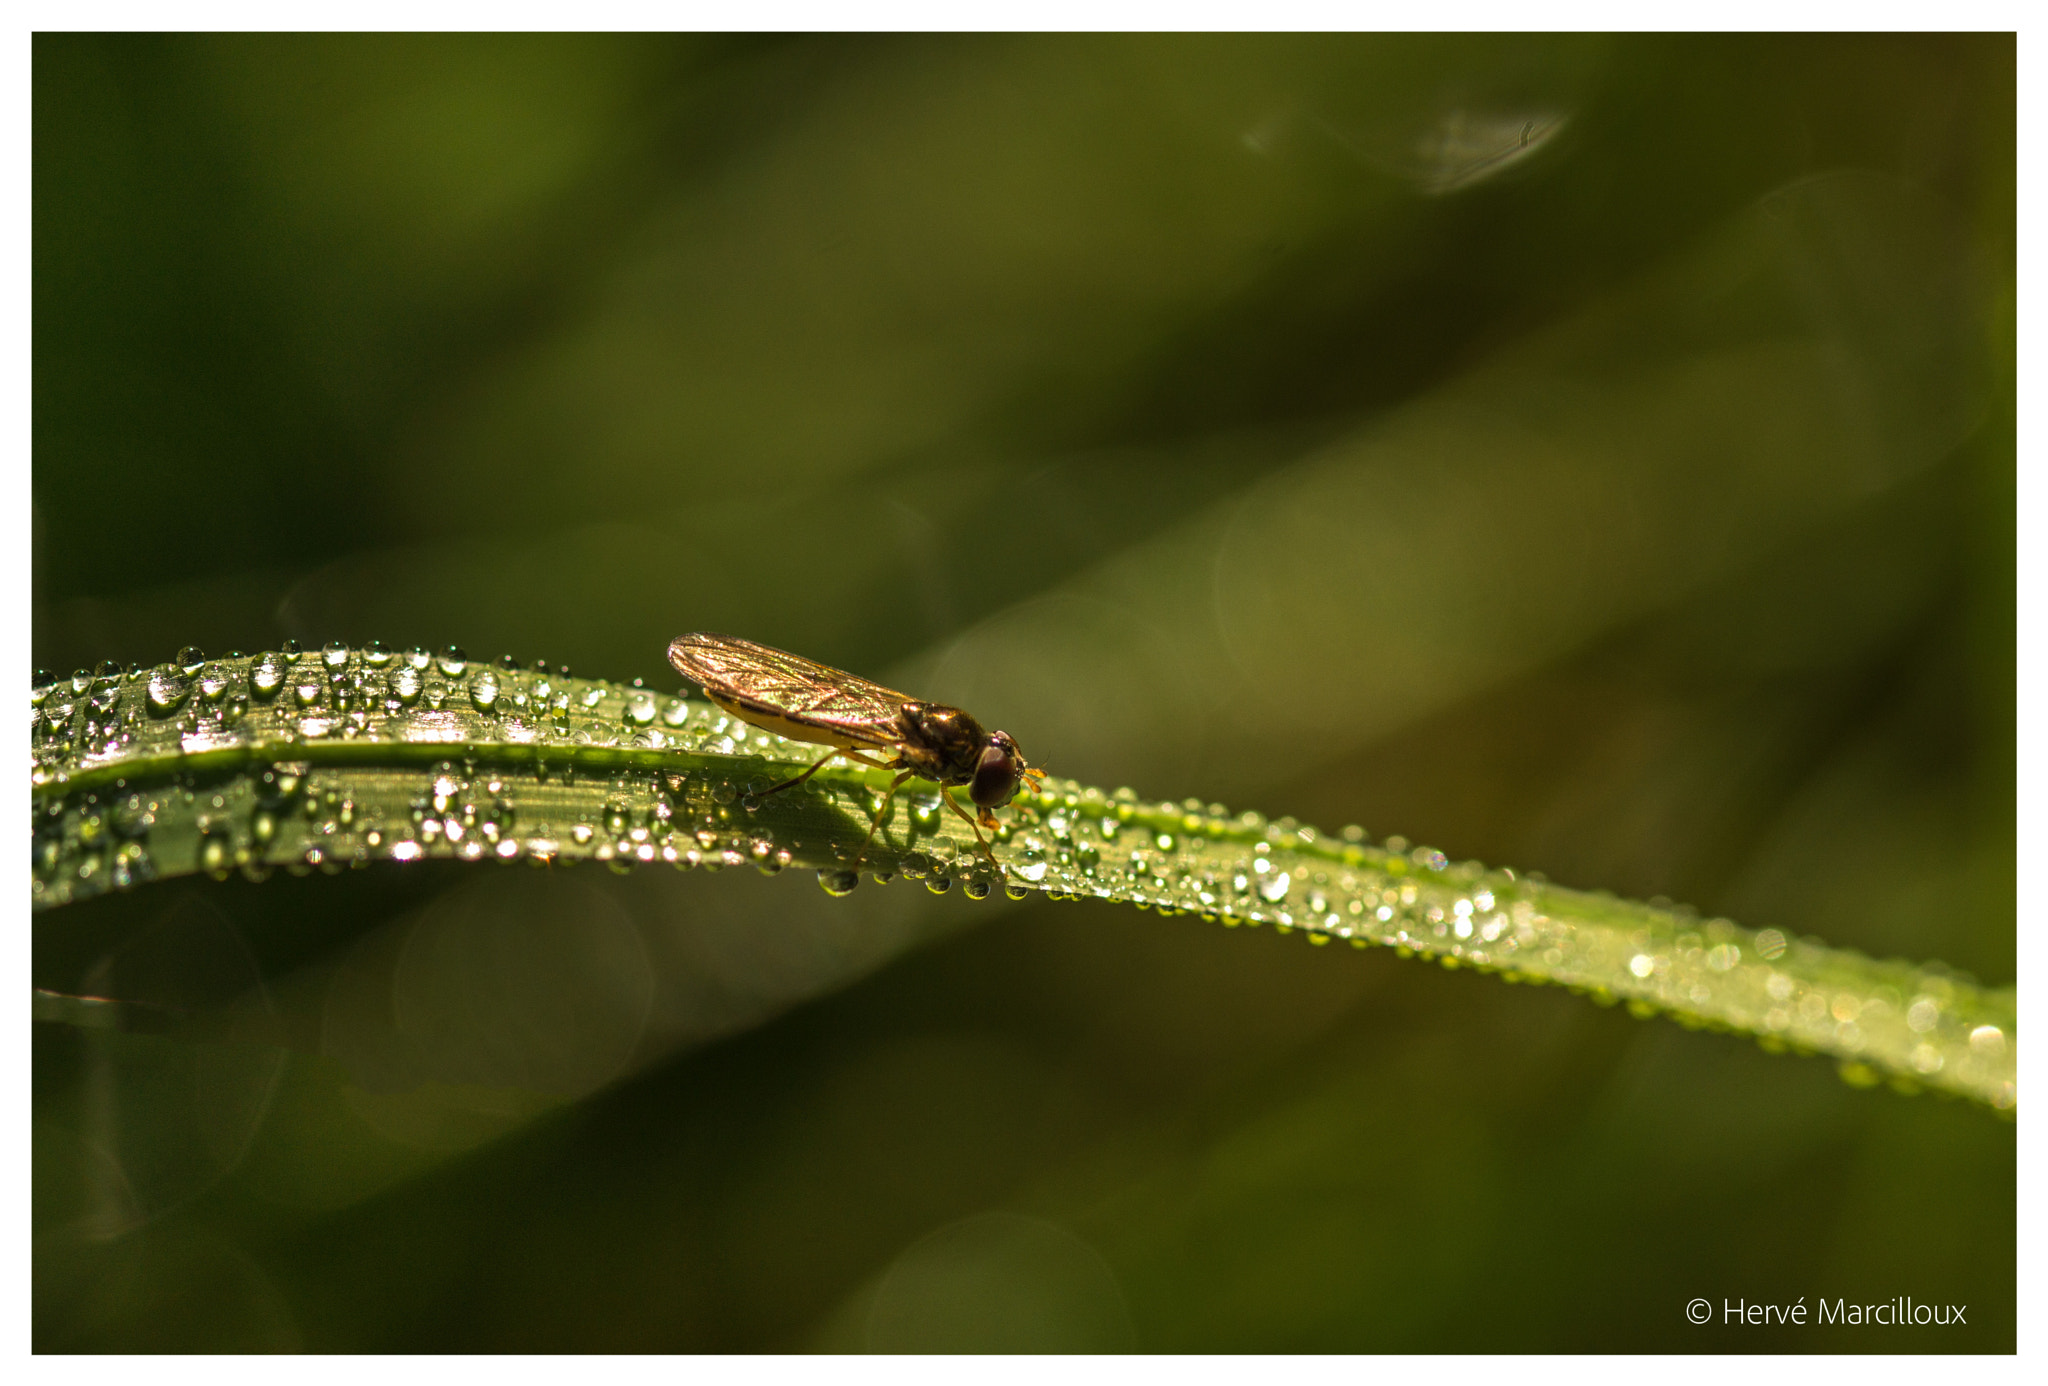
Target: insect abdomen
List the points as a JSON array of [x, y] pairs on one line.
[[768, 719]]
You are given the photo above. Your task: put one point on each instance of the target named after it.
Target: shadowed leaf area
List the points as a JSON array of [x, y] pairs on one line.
[[1594, 456]]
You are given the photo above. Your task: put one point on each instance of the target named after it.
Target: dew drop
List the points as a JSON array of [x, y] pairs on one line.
[[213, 683], [277, 785], [267, 677], [131, 866], [977, 890], [134, 816], [335, 656], [639, 708], [483, 690], [1988, 1039], [190, 658], [454, 663], [168, 689], [838, 883], [405, 683]]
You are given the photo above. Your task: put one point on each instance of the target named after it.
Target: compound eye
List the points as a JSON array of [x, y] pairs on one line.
[[995, 778]]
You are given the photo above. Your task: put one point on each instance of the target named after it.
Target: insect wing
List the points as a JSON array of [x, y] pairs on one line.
[[791, 686]]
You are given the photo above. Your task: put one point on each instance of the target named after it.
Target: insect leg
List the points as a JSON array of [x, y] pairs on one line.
[[954, 805], [849, 754], [881, 813], [792, 784]]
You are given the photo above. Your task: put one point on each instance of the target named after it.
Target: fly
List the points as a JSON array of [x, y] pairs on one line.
[[807, 701]]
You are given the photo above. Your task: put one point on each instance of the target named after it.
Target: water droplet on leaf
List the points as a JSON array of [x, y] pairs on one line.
[[168, 689], [267, 677]]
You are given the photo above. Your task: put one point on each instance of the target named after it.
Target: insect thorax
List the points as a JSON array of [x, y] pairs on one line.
[[941, 743]]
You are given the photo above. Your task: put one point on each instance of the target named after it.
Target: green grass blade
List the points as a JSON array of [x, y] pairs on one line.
[[337, 758]]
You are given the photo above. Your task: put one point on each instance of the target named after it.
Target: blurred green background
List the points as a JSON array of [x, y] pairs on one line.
[[1590, 455]]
